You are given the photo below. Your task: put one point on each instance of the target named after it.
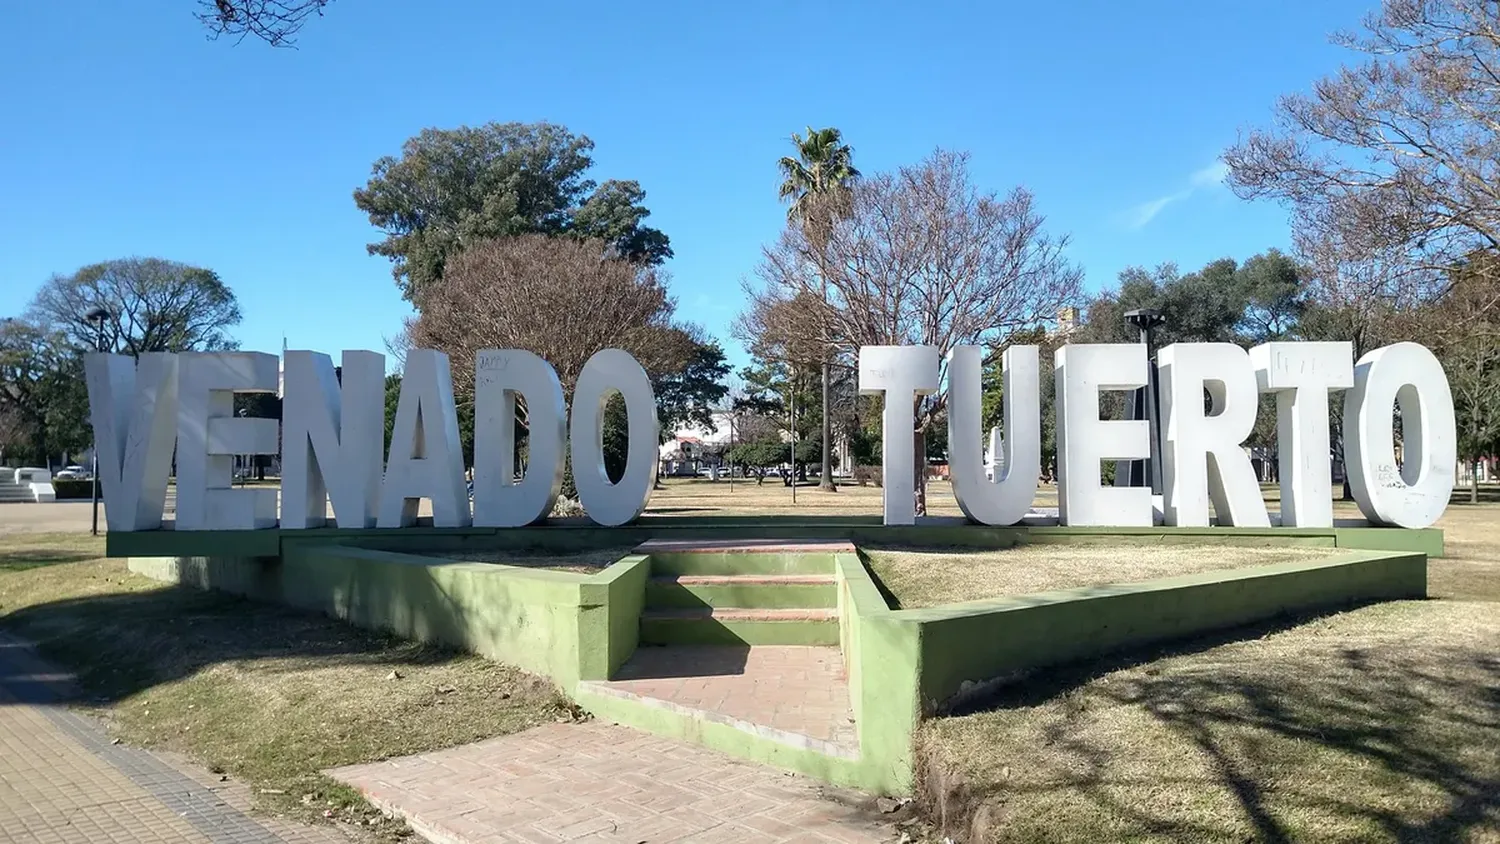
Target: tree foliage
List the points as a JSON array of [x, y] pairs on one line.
[[925, 257], [151, 305], [275, 22], [452, 188], [1391, 167]]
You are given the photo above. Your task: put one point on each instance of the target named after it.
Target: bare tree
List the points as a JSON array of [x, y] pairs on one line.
[[926, 258], [561, 299], [1396, 160], [272, 21]]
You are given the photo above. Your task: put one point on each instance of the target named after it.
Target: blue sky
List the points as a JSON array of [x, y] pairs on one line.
[[126, 132]]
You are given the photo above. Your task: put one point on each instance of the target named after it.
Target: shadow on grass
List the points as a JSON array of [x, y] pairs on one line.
[[1379, 737], [21, 559], [124, 643]]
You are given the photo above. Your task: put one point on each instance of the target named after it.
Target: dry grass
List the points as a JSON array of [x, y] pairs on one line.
[[934, 577], [1378, 724], [694, 497], [270, 696]]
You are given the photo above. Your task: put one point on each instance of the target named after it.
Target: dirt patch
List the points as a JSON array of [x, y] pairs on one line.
[[582, 562], [934, 577]]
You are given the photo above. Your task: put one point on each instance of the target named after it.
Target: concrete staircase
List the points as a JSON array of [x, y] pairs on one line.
[[15, 494], [739, 593]]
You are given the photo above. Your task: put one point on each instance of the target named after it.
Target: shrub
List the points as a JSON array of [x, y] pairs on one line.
[[72, 488]]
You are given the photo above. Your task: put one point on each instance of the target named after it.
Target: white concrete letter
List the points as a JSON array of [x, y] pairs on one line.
[[1415, 493], [427, 459], [133, 407], [1084, 441], [1301, 375], [499, 377], [332, 439], [901, 373], [210, 436], [613, 370], [1203, 454], [1006, 499]]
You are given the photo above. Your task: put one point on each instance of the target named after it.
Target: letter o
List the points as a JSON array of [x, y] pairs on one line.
[[611, 504], [1415, 494]]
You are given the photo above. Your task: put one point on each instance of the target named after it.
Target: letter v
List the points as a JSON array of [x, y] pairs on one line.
[[133, 407]]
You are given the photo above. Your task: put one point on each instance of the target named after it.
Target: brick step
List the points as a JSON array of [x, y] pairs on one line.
[[731, 626], [750, 591]]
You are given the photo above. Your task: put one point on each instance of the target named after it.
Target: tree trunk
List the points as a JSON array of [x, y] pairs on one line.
[[1474, 481], [825, 480], [919, 469]]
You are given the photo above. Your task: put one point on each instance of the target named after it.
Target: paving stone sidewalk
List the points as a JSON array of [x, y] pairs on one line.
[[62, 780], [596, 783]]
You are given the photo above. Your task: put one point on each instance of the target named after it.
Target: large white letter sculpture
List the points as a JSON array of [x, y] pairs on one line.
[[1414, 494], [427, 459], [500, 376], [1203, 454], [901, 373], [1301, 375], [209, 436], [610, 504], [1006, 499], [1084, 441], [133, 407], [332, 439]]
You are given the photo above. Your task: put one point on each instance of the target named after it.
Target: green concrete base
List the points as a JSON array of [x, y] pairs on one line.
[[702, 628], [581, 534], [742, 563], [577, 628], [740, 592]]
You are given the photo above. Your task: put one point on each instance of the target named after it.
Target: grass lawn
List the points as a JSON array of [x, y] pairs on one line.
[[266, 695], [930, 577], [1377, 724]]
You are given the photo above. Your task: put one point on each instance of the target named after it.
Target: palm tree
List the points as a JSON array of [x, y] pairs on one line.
[[818, 181]]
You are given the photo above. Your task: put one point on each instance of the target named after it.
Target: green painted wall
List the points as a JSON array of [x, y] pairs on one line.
[[609, 618], [558, 624], [884, 670], [982, 640]]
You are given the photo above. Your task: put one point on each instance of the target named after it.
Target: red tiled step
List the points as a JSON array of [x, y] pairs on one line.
[[738, 614], [745, 546], [744, 579]]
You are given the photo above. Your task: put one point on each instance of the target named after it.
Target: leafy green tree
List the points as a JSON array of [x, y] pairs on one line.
[[993, 383], [150, 305], [452, 187], [687, 396], [817, 182], [42, 395]]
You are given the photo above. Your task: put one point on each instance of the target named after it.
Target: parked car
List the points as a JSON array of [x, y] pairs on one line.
[[71, 473]]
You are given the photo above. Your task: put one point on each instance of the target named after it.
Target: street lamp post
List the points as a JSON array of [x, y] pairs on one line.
[[97, 316], [1144, 404], [245, 465]]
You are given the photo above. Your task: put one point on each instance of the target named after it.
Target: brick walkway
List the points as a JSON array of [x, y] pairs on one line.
[[794, 691], [595, 782], [63, 781]]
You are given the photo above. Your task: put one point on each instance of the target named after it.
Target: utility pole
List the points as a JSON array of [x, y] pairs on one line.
[[1144, 404], [97, 316]]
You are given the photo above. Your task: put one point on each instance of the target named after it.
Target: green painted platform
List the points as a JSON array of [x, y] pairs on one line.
[[581, 534]]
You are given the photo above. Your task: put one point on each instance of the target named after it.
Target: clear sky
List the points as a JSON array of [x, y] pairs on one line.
[[123, 131]]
